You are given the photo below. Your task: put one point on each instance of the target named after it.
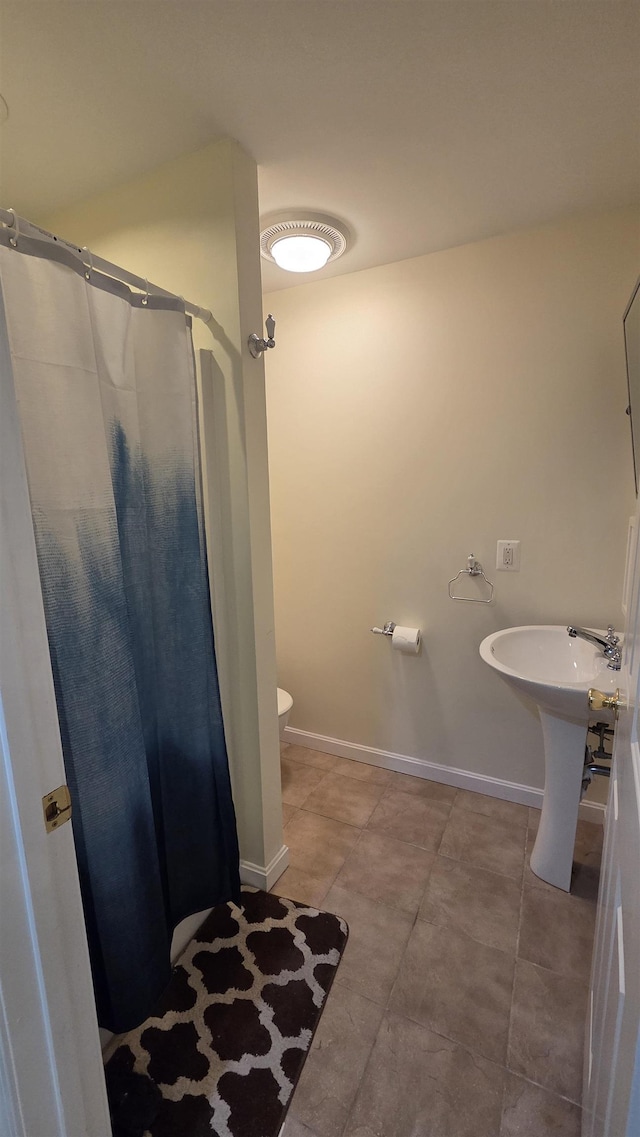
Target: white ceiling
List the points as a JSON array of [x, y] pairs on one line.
[[421, 124]]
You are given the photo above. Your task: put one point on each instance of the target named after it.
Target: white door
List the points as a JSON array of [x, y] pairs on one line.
[[612, 1052], [51, 1076]]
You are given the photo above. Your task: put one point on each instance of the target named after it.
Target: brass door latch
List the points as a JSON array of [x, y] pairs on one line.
[[598, 701], [56, 807]]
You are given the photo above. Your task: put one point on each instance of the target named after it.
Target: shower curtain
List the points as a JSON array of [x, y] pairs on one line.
[[106, 391]]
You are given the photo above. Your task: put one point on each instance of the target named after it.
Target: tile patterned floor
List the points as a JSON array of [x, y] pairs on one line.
[[458, 1009]]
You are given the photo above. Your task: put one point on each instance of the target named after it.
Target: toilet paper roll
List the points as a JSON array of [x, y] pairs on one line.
[[406, 640]]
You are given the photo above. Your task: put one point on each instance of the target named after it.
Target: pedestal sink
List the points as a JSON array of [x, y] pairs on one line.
[[542, 662]]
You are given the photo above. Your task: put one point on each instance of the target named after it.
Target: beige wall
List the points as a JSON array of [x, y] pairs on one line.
[[420, 411], [191, 226]]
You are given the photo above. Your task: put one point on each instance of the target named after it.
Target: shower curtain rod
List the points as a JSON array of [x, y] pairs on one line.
[[10, 220]]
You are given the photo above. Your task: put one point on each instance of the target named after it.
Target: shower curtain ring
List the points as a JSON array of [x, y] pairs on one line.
[[16, 225], [88, 268], [145, 298]]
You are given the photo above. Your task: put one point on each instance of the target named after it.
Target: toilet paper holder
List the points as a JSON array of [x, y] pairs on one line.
[[387, 630]]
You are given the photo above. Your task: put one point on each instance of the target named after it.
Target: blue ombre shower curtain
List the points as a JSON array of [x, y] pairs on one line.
[[106, 391]]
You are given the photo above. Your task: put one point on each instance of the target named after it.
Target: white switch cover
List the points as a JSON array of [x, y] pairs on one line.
[[508, 556]]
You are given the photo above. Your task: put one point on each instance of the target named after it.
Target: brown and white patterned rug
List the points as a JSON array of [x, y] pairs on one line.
[[223, 1052]]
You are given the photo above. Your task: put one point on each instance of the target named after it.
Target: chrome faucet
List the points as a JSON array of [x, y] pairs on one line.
[[609, 645]]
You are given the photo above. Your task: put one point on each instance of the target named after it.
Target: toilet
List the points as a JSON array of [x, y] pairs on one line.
[[285, 703]]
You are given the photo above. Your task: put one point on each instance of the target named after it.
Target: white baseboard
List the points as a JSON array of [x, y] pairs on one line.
[[421, 768], [592, 811], [265, 876]]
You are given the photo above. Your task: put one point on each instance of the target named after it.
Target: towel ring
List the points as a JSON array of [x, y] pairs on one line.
[[474, 568]]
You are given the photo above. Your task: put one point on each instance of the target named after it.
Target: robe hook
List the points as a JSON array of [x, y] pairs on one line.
[[256, 344]]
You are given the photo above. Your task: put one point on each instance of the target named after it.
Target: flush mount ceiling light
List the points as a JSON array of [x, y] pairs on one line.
[[302, 242]]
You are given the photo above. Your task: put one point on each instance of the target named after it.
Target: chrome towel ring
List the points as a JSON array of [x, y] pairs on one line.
[[474, 568]]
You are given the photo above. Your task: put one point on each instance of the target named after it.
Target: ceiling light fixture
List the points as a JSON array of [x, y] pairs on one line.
[[302, 242]]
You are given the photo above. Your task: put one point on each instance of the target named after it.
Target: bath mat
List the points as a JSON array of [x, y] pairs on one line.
[[223, 1052]]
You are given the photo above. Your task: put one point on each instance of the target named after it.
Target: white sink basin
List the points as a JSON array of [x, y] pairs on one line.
[[543, 662]]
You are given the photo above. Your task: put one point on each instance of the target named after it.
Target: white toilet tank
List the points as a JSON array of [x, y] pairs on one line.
[[285, 703]]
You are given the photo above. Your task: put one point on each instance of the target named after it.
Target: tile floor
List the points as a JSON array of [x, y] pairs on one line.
[[458, 1009]]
